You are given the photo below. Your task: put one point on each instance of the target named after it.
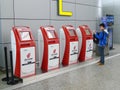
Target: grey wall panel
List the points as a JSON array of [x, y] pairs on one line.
[[117, 29], [58, 24], [6, 8], [116, 33], [2, 63], [88, 2], [33, 9], [106, 3], [37, 54], [108, 7], [66, 7], [33, 24], [0, 8], [116, 8], [0, 23], [2, 58], [73, 1], [116, 13], [86, 12], [96, 3], [91, 24], [70, 1], [108, 11], [6, 26], [117, 20]]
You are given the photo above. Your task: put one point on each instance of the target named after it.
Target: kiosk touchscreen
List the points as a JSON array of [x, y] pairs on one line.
[[51, 34], [48, 44], [23, 48], [68, 45], [25, 36], [86, 50]]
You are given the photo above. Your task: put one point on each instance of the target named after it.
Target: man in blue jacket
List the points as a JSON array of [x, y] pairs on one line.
[[102, 36]]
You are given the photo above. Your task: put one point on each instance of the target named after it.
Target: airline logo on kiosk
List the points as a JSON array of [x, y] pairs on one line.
[[74, 48], [27, 61], [28, 55], [89, 49], [73, 52], [54, 51], [53, 56]]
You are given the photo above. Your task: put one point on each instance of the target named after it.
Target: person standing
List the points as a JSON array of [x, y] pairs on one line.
[[102, 36]]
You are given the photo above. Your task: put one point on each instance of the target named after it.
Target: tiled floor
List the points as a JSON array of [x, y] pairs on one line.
[[92, 77]]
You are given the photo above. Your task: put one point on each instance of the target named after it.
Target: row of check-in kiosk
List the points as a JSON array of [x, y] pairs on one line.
[[65, 46]]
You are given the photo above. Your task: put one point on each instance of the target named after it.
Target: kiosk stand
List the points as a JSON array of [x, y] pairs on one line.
[[87, 43], [68, 45], [48, 44], [23, 48]]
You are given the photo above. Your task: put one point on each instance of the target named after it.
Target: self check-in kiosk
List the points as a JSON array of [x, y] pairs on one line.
[[85, 35], [23, 48], [68, 45], [48, 43]]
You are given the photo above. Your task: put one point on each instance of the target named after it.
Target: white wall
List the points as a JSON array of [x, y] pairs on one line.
[[36, 13]]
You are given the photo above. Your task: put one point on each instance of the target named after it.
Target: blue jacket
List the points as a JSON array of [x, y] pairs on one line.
[[102, 36]]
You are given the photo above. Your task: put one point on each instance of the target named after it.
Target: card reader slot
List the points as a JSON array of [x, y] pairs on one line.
[[52, 41], [72, 39], [88, 37], [25, 44]]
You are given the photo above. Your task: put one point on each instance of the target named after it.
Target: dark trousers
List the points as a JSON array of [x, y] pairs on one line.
[[101, 51]]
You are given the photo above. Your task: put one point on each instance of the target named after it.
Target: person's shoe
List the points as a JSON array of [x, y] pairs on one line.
[[100, 64]]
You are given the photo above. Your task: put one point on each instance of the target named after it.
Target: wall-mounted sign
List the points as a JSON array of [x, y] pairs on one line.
[[61, 12]]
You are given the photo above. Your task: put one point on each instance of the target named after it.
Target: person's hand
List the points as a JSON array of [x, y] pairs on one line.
[[94, 31]]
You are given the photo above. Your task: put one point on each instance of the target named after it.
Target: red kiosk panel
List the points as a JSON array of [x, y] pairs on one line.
[[87, 43], [50, 59], [71, 47], [23, 48]]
